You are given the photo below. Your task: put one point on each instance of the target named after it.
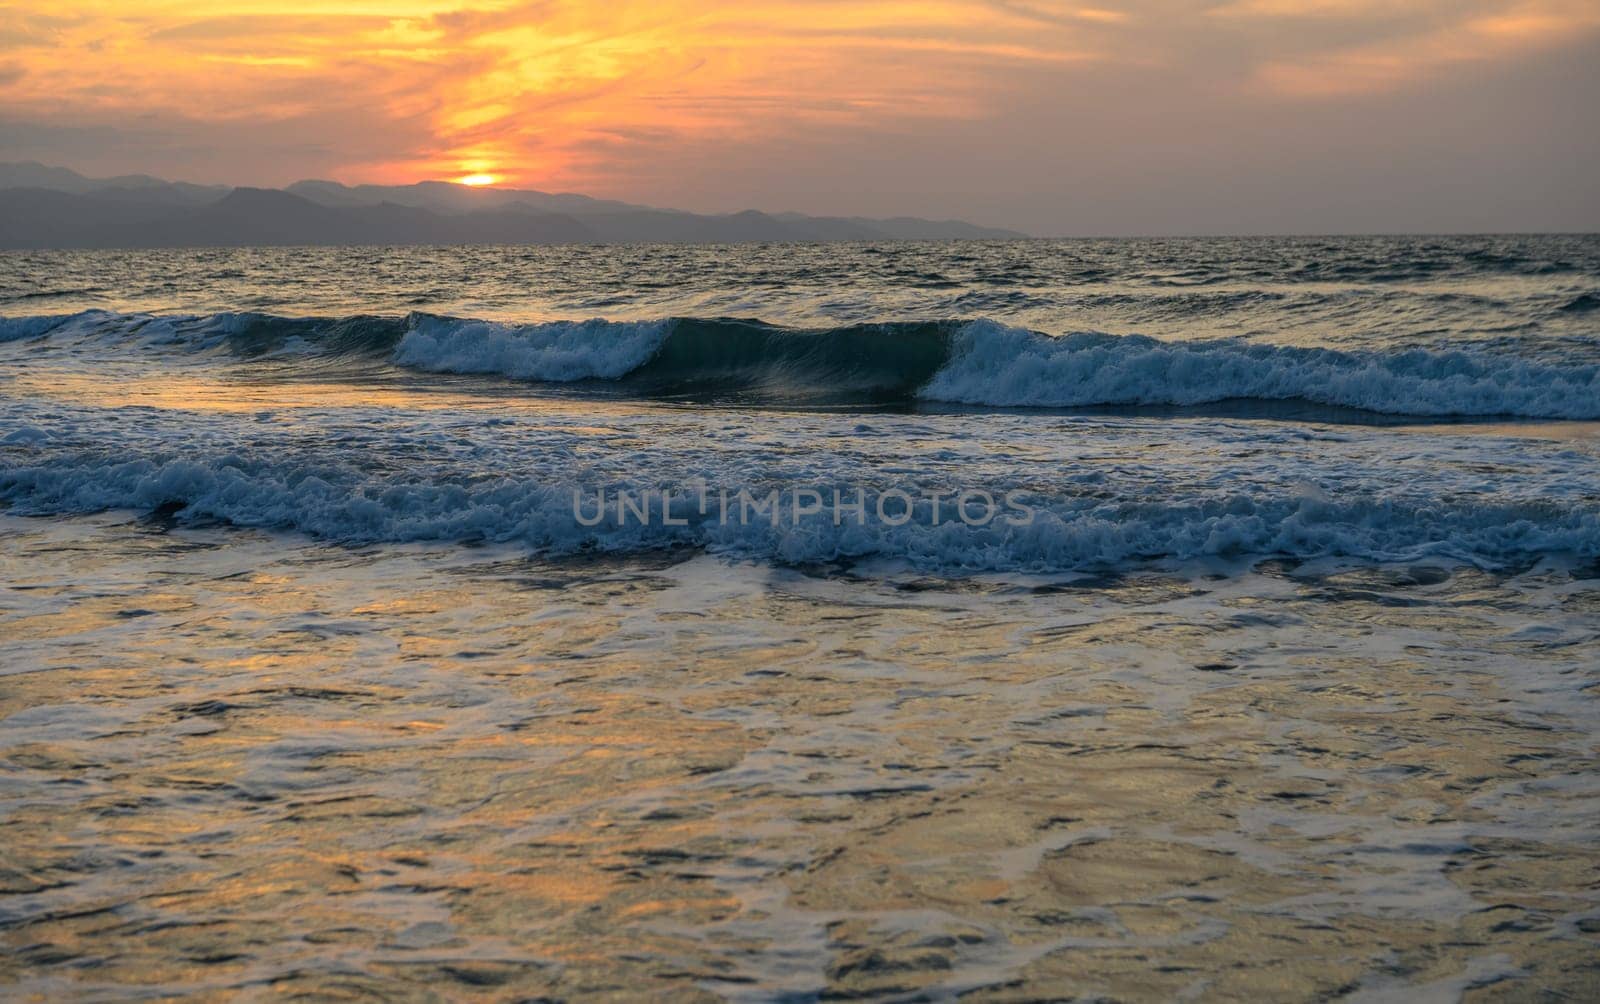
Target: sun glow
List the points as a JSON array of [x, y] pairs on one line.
[[660, 98]]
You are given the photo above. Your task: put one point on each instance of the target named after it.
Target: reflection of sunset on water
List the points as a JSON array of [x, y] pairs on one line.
[[565, 780]]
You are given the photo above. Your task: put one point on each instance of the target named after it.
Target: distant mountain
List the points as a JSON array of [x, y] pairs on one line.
[[40, 217], [29, 174], [444, 197], [262, 216], [245, 217], [52, 207], [140, 187]]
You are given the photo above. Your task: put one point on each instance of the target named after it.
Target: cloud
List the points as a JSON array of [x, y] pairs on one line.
[[569, 94], [1411, 43]]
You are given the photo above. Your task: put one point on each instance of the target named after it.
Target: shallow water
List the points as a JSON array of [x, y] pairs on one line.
[[317, 677], [239, 760]]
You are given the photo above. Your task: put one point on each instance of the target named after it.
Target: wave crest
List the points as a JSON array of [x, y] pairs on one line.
[[999, 366], [973, 363], [552, 515], [560, 351]]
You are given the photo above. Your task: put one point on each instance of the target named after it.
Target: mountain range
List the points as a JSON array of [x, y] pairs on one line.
[[53, 207]]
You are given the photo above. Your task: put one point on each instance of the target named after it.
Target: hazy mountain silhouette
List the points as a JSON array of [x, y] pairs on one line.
[[444, 197], [53, 207]]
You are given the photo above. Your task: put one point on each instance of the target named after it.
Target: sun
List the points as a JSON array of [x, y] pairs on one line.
[[475, 180]]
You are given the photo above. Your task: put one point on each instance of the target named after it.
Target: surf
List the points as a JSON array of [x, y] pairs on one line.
[[978, 364]]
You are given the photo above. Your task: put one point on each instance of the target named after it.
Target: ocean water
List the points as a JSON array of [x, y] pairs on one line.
[[1202, 619]]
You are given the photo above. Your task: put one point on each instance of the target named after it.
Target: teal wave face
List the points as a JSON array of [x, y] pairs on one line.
[[749, 360], [977, 364]]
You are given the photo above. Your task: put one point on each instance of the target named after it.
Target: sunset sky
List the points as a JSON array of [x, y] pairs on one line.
[[1152, 116]]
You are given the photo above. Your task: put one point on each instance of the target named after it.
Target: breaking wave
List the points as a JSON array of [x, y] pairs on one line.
[[1000, 366], [1034, 531], [973, 363]]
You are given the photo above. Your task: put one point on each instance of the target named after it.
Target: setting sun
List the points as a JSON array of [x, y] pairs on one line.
[[476, 180]]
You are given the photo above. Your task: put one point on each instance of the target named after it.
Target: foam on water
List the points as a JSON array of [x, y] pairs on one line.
[[1065, 534], [1099, 497], [558, 352], [998, 365], [874, 775], [978, 363], [824, 786]]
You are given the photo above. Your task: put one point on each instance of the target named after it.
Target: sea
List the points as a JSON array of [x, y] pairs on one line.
[[1183, 619]]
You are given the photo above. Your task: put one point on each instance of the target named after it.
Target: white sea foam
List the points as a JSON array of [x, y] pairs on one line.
[[557, 351], [988, 364], [1066, 530], [992, 364]]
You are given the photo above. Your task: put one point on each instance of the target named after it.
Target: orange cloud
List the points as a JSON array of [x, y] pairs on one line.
[[1426, 39], [551, 93], [526, 87]]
